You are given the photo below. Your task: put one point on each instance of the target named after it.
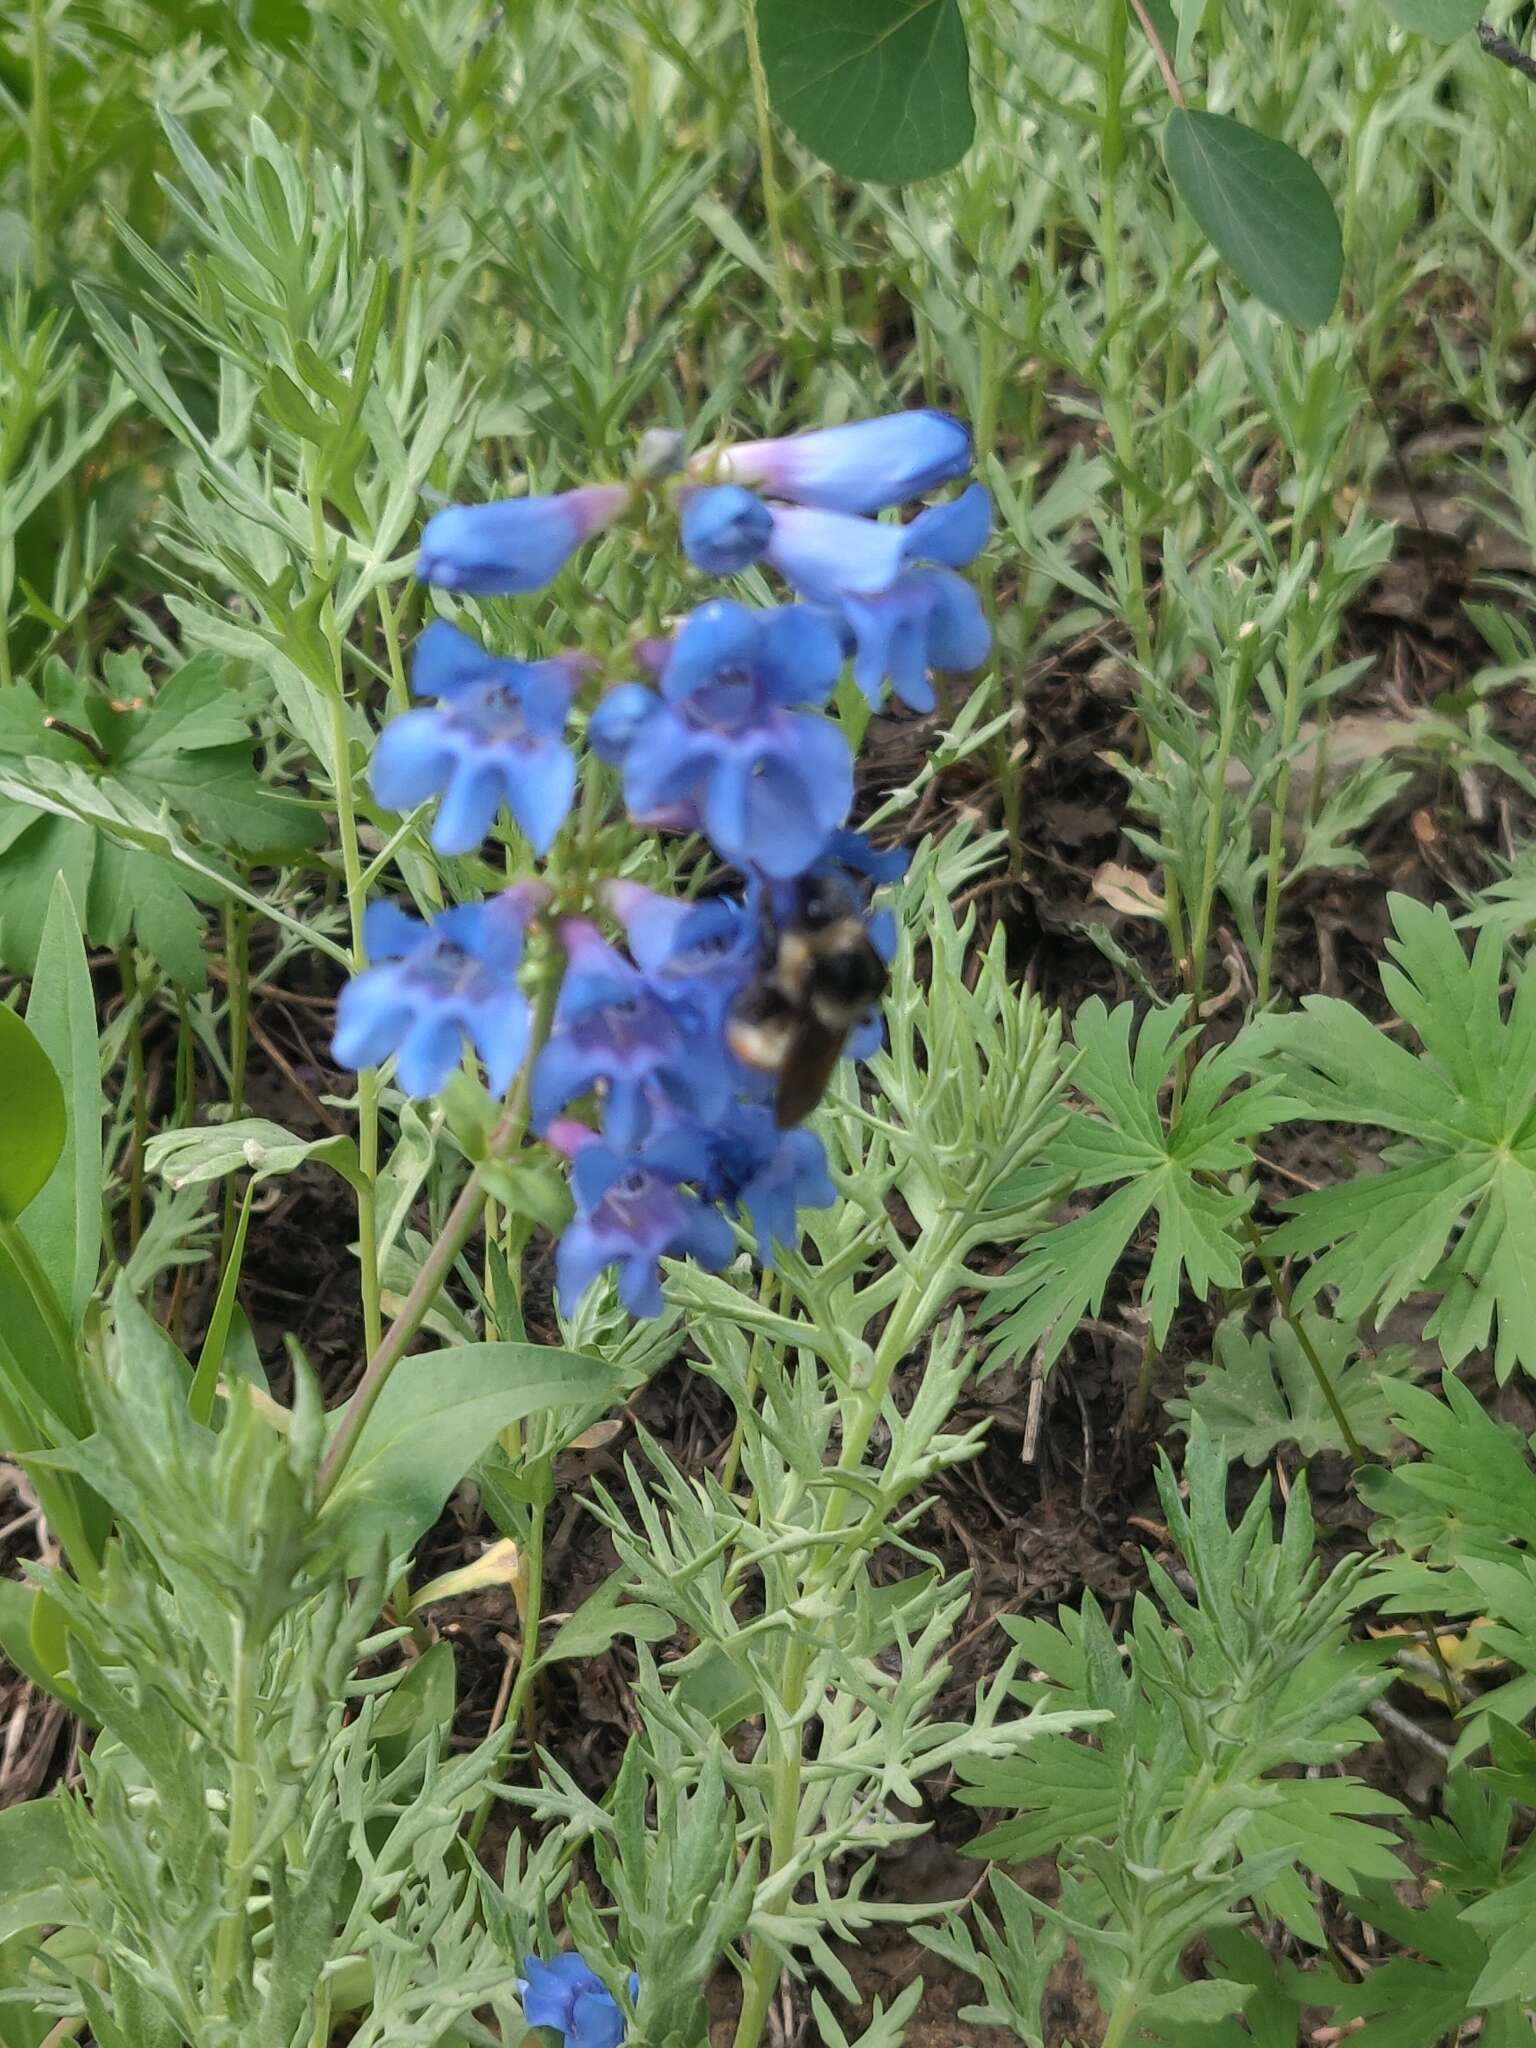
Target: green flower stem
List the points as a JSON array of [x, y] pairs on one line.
[[438, 1264], [230, 1941], [773, 197], [37, 140], [915, 1309]]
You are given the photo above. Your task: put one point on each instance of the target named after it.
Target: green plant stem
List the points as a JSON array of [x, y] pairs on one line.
[[37, 140], [520, 1704], [1237, 691], [456, 1232], [914, 1311], [773, 197], [1274, 858], [138, 1086], [1119, 377], [18, 1247], [229, 1943], [238, 963], [352, 869]]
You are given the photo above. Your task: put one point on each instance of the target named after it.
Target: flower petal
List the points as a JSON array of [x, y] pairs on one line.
[[824, 554], [540, 782], [801, 655], [373, 1013], [430, 1051], [469, 806], [412, 759], [953, 534], [721, 635], [855, 468]]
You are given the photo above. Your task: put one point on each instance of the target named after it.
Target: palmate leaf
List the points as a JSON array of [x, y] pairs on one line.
[[1454, 1208], [1167, 1171], [1261, 1392]]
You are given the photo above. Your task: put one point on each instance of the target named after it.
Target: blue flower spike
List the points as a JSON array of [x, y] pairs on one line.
[[570, 1997], [768, 782], [436, 985], [632, 1211], [496, 737], [857, 468], [514, 544]]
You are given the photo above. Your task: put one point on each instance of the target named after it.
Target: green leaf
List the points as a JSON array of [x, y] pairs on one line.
[[435, 1417], [33, 1123], [1261, 1391], [63, 1224], [18, 1605], [879, 89], [1441, 20], [35, 1855], [1264, 208], [251, 1145], [1454, 1208], [601, 1619]]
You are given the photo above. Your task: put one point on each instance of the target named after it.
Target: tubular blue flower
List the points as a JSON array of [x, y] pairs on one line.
[[768, 783], [899, 620], [495, 738], [698, 954], [632, 1212], [857, 468], [724, 528], [514, 544], [771, 1174], [614, 1029], [569, 1996], [437, 985]]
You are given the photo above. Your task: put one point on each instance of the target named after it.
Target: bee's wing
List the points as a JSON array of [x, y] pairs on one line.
[[807, 1069]]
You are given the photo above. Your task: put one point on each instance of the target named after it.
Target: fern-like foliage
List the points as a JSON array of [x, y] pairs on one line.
[[1455, 1207], [1176, 1818], [1260, 1391], [1170, 1169]]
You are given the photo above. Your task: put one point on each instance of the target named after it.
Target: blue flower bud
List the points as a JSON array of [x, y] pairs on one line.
[[724, 529], [857, 468], [515, 544]]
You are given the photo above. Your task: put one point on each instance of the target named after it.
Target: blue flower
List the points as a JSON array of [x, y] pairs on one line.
[[856, 468], [632, 1212], [515, 544], [615, 1030], [771, 1174], [697, 954], [495, 738], [724, 528], [721, 745], [568, 1996], [899, 621], [439, 984]]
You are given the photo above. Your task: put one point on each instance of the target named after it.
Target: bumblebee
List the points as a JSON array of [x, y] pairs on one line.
[[818, 979]]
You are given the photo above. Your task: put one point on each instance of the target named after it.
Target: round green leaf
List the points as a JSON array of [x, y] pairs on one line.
[[1441, 20], [1264, 208], [879, 89], [31, 1116]]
